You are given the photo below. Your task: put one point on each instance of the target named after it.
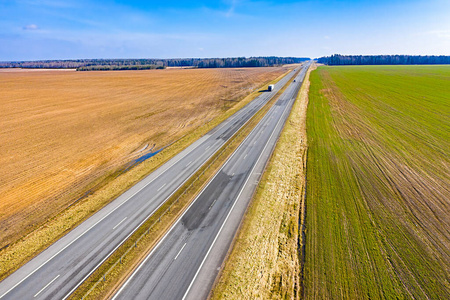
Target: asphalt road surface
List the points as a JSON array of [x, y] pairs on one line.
[[61, 268], [187, 260]]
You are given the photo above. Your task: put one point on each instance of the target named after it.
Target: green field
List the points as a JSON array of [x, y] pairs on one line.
[[378, 183]]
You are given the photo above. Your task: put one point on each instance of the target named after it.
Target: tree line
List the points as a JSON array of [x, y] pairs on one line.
[[338, 59], [120, 68], [91, 64]]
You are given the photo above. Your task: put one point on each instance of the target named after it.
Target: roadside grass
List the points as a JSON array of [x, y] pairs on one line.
[[109, 187], [264, 262], [378, 206], [99, 286]]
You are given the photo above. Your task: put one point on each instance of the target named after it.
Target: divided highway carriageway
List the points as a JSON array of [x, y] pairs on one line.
[[60, 269], [185, 263]]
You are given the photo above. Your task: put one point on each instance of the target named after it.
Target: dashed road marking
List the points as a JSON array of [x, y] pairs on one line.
[[119, 223], [46, 286]]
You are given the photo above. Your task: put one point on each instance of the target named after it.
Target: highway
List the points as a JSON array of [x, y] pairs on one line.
[[185, 263], [61, 268]]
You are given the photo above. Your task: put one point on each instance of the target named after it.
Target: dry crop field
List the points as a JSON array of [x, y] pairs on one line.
[[61, 130], [378, 183]]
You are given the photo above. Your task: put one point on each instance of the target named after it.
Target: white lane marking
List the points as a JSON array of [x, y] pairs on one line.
[[212, 204], [161, 187], [119, 223], [232, 207], [46, 286], [208, 147], [245, 156], [189, 163], [180, 251], [232, 175]]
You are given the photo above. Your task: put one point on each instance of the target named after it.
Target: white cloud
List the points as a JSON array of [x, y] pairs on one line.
[[50, 3], [445, 34], [31, 27], [230, 12]]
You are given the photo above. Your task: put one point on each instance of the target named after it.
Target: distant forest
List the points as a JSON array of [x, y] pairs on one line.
[[134, 64], [338, 59], [122, 67]]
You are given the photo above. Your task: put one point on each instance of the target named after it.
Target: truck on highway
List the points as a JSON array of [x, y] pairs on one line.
[[271, 88]]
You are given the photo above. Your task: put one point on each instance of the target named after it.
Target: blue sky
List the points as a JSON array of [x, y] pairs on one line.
[[70, 29]]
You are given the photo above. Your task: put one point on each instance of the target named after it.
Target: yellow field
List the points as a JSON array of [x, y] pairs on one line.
[[60, 130]]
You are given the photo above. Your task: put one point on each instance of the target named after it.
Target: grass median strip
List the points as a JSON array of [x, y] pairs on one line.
[[264, 262], [124, 260], [111, 186]]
